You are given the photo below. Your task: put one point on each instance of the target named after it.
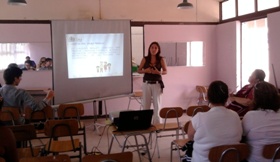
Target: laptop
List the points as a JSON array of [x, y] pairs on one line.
[[133, 120]]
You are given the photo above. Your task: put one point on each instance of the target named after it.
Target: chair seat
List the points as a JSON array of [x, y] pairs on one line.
[[64, 158], [40, 131], [137, 94], [123, 157], [180, 142], [168, 126], [26, 152], [63, 146]]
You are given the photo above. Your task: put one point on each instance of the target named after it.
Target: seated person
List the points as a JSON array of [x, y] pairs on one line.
[[8, 144], [32, 63], [19, 98], [27, 65], [47, 65], [218, 126], [41, 63], [12, 65], [262, 126], [241, 102]]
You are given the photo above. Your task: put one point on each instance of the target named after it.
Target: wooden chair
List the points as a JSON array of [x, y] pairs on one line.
[[57, 158], [138, 137], [67, 128], [10, 115], [178, 144], [137, 95], [193, 110], [25, 134], [168, 113], [74, 111], [38, 119], [229, 153], [118, 157], [38, 116], [271, 151], [202, 96]]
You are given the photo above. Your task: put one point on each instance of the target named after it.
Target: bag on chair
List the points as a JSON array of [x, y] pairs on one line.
[[188, 148]]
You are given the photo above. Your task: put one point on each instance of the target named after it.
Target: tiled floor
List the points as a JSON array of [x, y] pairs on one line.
[[98, 142]]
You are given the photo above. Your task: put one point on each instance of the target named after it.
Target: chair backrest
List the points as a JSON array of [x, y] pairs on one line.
[[171, 112], [193, 110], [63, 127], [186, 126], [70, 110], [57, 158], [229, 153], [25, 132], [36, 116], [271, 151], [10, 114], [118, 157], [202, 90]]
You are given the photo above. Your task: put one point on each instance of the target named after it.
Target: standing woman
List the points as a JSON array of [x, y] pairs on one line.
[[153, 66]]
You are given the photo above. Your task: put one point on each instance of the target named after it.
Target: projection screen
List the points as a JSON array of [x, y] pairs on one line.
[[91, 59]]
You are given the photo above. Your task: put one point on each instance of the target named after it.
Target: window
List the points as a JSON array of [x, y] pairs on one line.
[[13, 53], [195, 53], [246, 7], [254, 48], [228, 9], [266, 4]]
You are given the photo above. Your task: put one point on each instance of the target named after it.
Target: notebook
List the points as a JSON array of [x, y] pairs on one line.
[[133, 120]]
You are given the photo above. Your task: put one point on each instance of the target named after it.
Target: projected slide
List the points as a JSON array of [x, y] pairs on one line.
[[94, 55]]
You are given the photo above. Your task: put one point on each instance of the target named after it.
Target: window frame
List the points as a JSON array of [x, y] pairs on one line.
[[247, 17]]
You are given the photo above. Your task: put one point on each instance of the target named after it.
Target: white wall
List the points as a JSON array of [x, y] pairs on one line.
[[33, 79], [274, 48], [180, 81], [144, 10], [227, 48], [222, 46], [228, 38], [37, 35]]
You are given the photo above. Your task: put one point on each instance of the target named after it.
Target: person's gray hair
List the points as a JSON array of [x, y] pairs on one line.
[[260, 74]]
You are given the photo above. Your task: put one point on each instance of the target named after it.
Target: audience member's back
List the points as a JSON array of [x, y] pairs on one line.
[[218, 126], [262, 126]]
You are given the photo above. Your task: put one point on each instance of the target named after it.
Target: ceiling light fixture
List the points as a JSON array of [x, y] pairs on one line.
[[17, 2], [185, 5]]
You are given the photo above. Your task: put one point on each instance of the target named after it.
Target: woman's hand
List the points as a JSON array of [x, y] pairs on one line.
[[154, 70], [148, 70]]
